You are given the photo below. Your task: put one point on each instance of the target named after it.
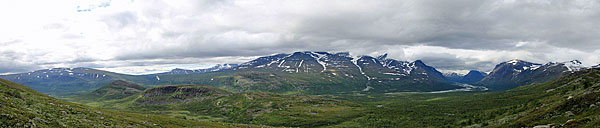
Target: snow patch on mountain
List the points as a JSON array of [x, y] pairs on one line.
[[355, 62], [318, 57], [574, 65]]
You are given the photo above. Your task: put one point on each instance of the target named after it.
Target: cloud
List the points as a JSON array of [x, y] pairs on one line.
[[450, 34]]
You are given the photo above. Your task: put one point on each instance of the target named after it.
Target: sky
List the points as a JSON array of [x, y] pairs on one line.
[[150, 36]]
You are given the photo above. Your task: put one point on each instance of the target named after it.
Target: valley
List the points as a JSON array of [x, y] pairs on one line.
[[300, 64], [319, 89]]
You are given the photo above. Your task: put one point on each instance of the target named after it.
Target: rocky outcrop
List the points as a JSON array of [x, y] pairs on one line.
[[118, 89], [179, 94]]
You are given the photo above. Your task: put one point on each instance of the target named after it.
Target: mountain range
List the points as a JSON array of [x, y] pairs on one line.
[[514, 73], [305, 73]]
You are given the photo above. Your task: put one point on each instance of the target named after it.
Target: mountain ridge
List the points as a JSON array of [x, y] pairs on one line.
[[514, 73]]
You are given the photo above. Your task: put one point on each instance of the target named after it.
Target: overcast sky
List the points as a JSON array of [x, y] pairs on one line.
[[147, 36]]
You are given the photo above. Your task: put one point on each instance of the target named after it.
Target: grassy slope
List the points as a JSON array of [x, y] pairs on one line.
[[249, 107], [525, 106], [24, 107]]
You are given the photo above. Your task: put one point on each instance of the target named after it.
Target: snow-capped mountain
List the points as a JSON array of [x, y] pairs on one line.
[[60, 81], [307, 72], [515, 73], [470, 78], [380, 72], [218, 67], [453, 76], [300, 62]]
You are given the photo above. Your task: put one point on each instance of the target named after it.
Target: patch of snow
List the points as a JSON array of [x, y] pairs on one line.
[[394, 74], [355, 62], [318, 58], [367, 89], [281, 63], [289, 70], [535, 66], [513, 62], [158, 78], [574, 65]]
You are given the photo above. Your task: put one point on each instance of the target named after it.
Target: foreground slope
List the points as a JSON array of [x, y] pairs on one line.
[[570, 101], [21, 106]]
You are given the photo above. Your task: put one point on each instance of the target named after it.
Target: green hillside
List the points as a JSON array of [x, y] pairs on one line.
[[197, 102], [21, 106], [571, 101]]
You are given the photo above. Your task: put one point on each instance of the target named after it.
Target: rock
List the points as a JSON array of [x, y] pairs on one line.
[[569, 113], [64, 112], [102, 118], [379, 106], [570, 121], [545, 126]]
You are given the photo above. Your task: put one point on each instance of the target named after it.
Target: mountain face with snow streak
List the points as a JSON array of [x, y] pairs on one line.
[[389, 75], [514, 73], [378, 74]]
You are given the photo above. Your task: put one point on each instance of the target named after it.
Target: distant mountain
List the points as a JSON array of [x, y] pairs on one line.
[[215, 68], [65, 81], [473, 76], [515, 73], [470, 78], [453, 76], [321, 72]]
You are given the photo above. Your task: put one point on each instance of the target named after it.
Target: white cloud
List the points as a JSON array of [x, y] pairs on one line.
[[451, 35]]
